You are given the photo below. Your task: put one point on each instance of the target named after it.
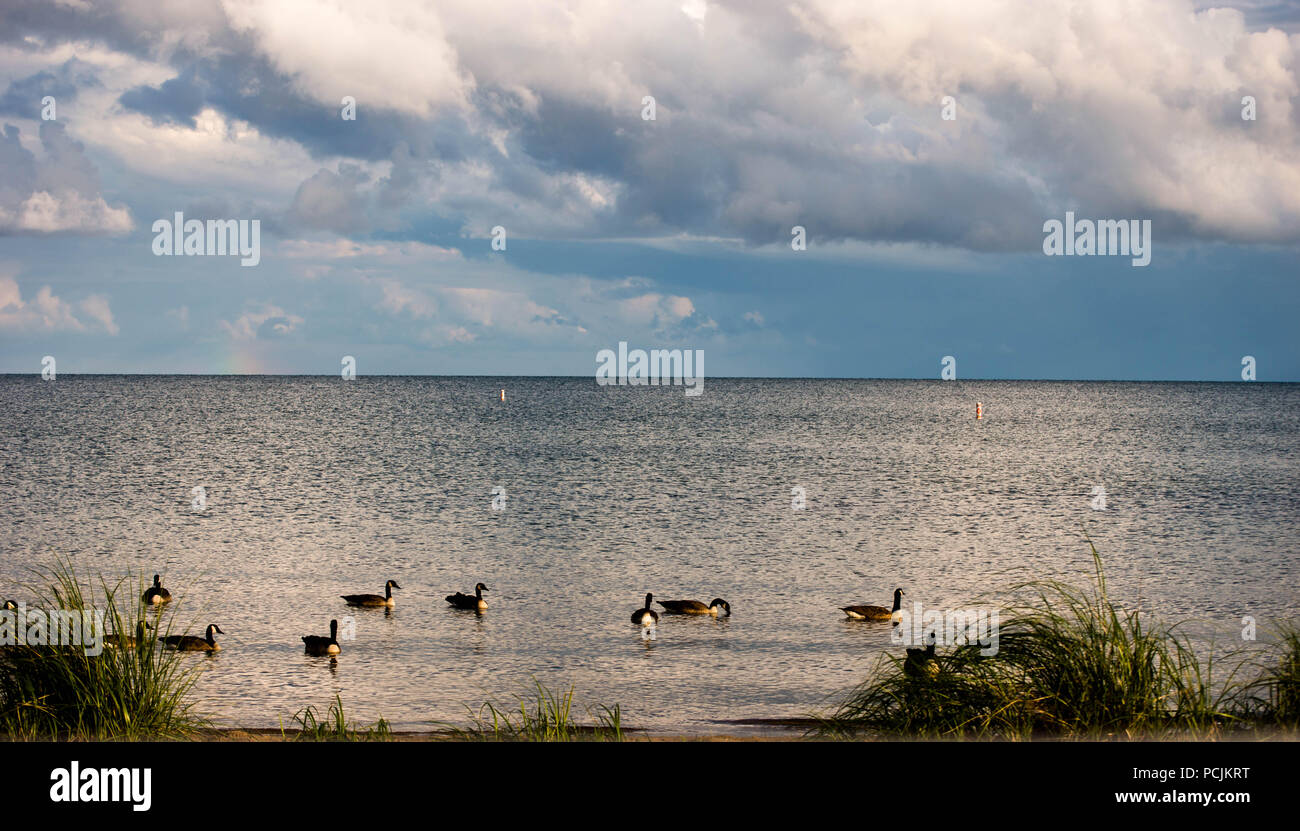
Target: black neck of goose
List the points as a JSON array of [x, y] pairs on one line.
[[478, 592], [211, 640], [898, 600], [649, 598], [157, 583], [334, 630], [388, 591]]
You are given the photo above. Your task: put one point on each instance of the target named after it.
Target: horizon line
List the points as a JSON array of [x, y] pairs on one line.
[[706, 378]]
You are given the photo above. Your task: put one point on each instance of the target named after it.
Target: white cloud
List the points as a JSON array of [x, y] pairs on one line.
[[262, 321], [43, 212], [46, 312], [393, 55]]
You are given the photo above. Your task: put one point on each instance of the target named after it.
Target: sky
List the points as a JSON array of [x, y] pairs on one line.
[[921, 148]]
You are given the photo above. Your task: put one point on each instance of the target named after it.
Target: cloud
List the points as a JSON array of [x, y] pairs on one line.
[[55, 193], [339, 248], [46, 312], [823, 113], [331, 202], [24, 96], [393, 55], [262, 322], [96, 307]]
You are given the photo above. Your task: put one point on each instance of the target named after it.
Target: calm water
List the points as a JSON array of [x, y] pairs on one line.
[[318, 487]]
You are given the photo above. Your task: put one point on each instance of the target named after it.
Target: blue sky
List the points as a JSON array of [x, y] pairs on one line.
[[924, 234]]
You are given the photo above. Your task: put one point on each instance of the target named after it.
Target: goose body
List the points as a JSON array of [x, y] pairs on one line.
[[192, 643], [718, 608], [473, 601], [156, 594], [874, 612], [645, 616], [920, 663], [127, 641], [385, 599], [321, 645]]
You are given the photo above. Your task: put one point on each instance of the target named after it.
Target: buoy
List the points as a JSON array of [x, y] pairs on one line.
[[503, 395], [979, 411]]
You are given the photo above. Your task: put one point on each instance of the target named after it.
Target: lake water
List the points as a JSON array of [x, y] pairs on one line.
[[317, 487]]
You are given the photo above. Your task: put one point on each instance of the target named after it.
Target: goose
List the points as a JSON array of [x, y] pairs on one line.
[[385, 599], [192, 643], [646, 616], [718, 608], [920, 662], [156, 594], [128, 641], [469, 601], [874, 612], [319, 645]]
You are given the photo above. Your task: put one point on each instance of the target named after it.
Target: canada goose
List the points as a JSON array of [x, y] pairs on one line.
[[318, 645], [920, 662], [646, 616], [156, 594], [469, 601], [191, 643], [874, 612], [718, 608], [128, 641], [385, 599]]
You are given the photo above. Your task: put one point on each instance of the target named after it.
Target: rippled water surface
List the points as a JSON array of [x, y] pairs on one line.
[[318, 487]]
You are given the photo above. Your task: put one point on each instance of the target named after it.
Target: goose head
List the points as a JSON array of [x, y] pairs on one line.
[[157, 581], [391, 584], [724, 606], [480, 588]]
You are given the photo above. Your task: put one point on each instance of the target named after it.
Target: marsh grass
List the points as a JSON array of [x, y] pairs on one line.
[[124, 693], [1274, 696], [334, 727], [1070, 663], [542, 716]]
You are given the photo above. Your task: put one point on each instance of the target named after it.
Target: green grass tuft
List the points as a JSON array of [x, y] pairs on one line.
[[1071, 663], [546, 716], [335, 727], [124, 693]]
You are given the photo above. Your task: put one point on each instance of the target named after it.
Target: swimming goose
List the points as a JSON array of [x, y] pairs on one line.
[[385, 599], [718, 608], [646, 616], [874, 612], [128, 641], [318, 645], [156, 593], [191, 643], [920, 662], [469, 601]]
